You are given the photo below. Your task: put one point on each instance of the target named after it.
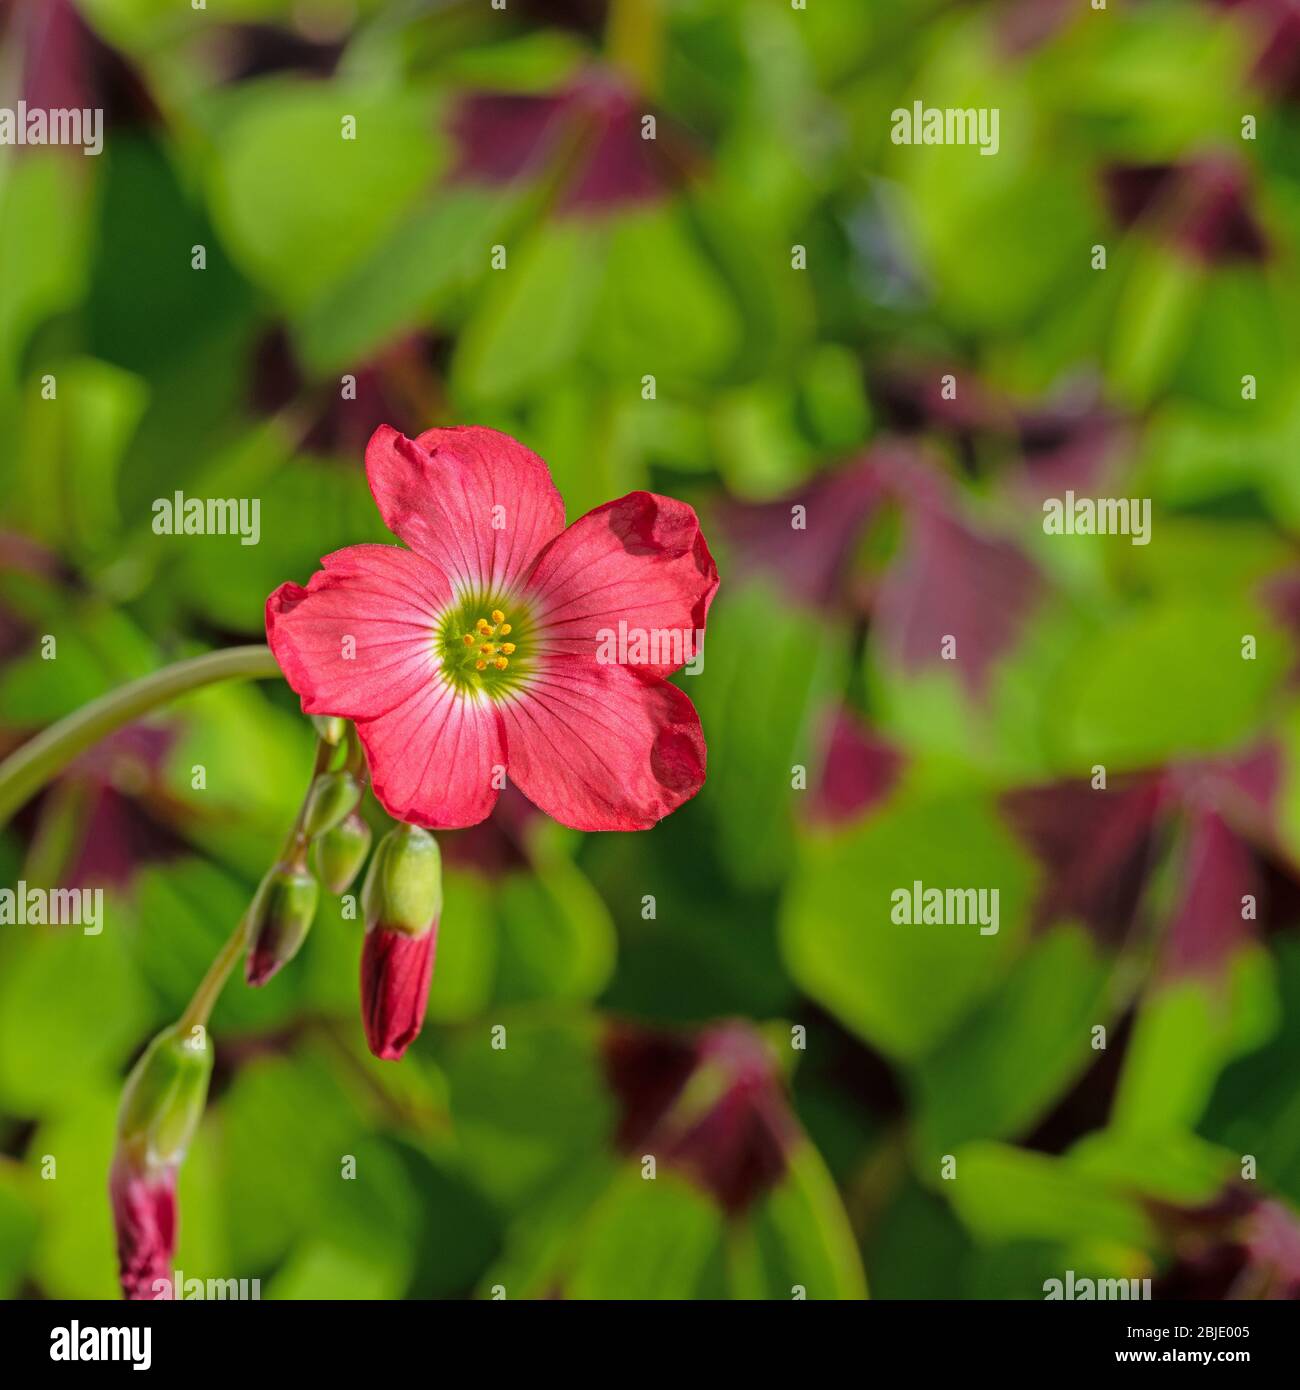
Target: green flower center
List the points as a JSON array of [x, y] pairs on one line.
[[483, 644]]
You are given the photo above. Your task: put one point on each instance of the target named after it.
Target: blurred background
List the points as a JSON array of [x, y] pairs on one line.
[[755, 311]]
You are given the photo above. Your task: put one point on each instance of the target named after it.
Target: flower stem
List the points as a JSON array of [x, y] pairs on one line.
[[27, 770], [199, 1009], [634, 41]]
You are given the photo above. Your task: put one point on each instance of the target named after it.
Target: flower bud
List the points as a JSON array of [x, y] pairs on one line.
[[164, 1097], [161, 1106], [339, 853], [402, 899], [144, 1217], [396, 970], [332, 796], [403, 888], [330, 728], [279, 920]]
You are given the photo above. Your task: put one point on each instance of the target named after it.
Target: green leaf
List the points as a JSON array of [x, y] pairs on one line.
[[903, 987], [995, 1075], [1186, 1033], [557, 939], [442, 248], [528, 1111], [646, 1239], [299, 205], [663, 309], [759, 729], [71, 1009], [806, 1246], [1123, 697], [534, 312], [1003, 1194]]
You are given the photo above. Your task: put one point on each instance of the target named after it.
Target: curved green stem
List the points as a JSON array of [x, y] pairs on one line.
[[634, 41], [199, 1009], [27, 770]]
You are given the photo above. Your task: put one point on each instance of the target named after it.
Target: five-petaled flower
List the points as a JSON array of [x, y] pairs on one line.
[[475, 651]]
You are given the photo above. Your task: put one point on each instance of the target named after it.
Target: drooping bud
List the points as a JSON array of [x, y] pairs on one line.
[[164, 1096], [396, 971], [331, 728], [402, 899], [161, 1107], [339, 853], [332, 796], [403, 889], [144, 1216], [279, 920]]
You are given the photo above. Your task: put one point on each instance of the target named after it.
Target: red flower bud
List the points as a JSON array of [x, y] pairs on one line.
[[402, 898], [162, 1103], [279, 920], [396, 969], [144, 1213]]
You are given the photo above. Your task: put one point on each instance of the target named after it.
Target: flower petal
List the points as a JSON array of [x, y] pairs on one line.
[[396, 971], [358, 640], [473, 501], [603, 747], [641, 560], [432, 757]]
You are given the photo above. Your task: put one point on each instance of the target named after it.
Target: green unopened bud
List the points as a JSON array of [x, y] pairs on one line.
[[165, 1095], [279, 920], [332, 796], [340, 853], [403, 889], [331, 728]]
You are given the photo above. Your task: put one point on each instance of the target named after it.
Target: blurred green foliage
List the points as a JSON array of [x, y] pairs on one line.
[[327, 259]]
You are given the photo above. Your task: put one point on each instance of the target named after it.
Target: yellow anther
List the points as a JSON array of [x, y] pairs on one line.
[[482, 624], [501, 663], [507, 647], [480, 665], [487, 649], [498, 616], [468, 639], [505, 629]]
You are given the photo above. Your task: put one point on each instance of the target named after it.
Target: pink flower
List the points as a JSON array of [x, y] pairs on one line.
[[487, 645], [144, 1213]]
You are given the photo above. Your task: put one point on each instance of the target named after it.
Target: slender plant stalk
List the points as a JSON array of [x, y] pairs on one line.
[[199, 1009], [634, 41], [28, 769]]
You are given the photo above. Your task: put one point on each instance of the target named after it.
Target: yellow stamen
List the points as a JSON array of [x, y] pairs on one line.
[[501, 663], [508, 648], [498, 616], [505, 629], [480, 665], [488, 650], [468, 639], [482, 624]]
